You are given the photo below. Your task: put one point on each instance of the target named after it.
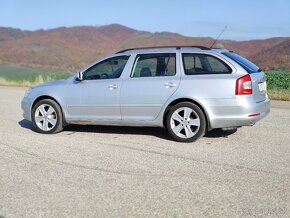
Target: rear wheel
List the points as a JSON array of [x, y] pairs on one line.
[[186, 122], [47, 117]]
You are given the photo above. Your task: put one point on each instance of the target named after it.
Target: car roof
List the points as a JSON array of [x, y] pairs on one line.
[[169, 49]]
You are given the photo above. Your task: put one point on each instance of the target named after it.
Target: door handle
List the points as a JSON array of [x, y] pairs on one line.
[[169, 85], [113, 86]]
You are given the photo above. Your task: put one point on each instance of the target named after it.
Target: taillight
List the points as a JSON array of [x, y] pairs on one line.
[[244, 85]]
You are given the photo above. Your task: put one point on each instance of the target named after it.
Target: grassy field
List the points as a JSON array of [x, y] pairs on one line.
[[278, 82], [12, 75], [278, 85]]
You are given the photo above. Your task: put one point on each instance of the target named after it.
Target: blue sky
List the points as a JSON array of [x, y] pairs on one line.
[[246, 19]]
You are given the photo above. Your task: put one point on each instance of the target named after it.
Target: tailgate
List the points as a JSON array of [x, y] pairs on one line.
[[259, 86]]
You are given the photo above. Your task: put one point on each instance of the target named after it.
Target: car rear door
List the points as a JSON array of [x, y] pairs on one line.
[[154, 78]]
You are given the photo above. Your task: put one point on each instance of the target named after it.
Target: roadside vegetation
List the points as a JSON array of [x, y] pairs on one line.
[[278, 82], [278, 85], [13, 75]]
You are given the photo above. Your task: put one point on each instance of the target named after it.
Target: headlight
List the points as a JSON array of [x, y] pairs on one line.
[[27, 92]]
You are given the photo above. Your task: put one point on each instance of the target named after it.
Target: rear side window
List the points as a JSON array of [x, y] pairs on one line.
[[204, 64], [243, 62], [152, 65]]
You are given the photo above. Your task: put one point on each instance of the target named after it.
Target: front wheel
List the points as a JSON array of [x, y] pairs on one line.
[[47, 117], [186, 122]]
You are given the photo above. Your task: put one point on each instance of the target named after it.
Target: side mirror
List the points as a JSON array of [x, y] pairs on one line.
[[79, 76]]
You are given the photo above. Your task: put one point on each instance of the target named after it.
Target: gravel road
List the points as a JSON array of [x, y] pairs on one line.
[[96, 171]]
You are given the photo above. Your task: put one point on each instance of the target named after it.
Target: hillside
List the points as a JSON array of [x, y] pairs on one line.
[[74, 47], [11, 33], [276, 57]]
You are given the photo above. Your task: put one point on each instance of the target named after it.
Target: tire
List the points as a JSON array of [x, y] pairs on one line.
[[47, 117], [186, 122]]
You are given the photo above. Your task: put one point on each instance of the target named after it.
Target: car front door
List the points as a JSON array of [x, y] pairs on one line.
[[96, 97], [152, 81]]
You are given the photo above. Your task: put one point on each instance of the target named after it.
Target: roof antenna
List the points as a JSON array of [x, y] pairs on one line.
[[224, 29]]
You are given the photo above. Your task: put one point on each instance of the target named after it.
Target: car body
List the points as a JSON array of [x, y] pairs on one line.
[[139, 87]]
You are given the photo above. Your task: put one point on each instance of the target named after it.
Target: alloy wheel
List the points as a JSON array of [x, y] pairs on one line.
[[45, 117], [185, 122]]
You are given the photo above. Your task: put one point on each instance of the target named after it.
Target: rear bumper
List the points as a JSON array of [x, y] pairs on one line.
[[236, 112]]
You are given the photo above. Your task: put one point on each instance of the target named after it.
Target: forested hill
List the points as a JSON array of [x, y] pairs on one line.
[[74, 47]]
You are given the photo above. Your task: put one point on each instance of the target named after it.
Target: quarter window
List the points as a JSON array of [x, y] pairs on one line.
[[152, 65], [111, 68], [246, 64], [204, 64]]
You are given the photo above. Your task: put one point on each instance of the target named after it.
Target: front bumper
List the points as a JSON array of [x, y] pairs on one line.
[[26, 105]]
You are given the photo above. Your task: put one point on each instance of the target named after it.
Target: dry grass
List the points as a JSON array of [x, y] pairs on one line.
[[283, 95]]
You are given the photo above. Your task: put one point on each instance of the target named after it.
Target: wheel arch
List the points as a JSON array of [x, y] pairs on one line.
[[179, 100], [43, 97]]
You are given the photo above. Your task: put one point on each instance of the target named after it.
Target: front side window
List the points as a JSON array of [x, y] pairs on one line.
[[153, 65], [204, 64], [111, 68]]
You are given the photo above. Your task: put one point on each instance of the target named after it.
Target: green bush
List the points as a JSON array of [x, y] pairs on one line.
[[278, 80]]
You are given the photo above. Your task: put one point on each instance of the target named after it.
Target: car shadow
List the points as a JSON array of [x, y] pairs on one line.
[[127, 130], [152, 131], [26, 124], [220, 133]]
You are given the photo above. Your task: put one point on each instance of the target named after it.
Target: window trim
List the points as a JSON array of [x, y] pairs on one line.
[[103, 60], [139, 55], [207, 73]]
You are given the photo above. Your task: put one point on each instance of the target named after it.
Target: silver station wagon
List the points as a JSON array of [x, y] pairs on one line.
[[189, 90]]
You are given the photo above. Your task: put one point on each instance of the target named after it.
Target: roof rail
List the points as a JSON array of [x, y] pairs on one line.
[[156, 47]]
